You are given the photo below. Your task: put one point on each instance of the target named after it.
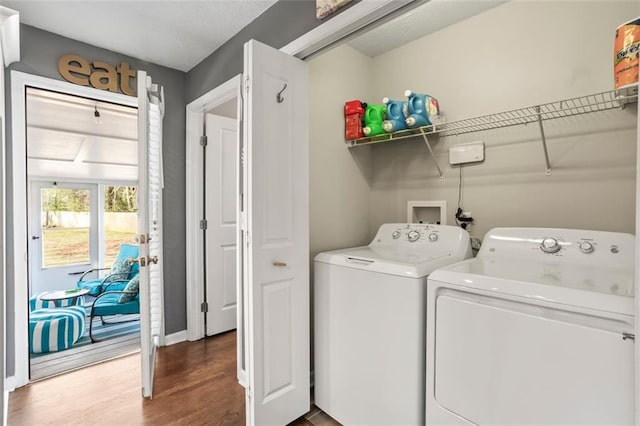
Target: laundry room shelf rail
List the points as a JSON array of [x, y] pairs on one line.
[[534, 114]]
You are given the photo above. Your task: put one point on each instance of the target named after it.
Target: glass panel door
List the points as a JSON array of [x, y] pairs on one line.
[[63, 240], [120, 219]]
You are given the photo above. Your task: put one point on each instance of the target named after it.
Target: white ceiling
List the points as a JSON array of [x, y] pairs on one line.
[[64, 140], [419, 22], [174, 33]]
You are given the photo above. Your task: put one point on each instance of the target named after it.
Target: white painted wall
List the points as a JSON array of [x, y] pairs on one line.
[[519, 54], [339, 191]]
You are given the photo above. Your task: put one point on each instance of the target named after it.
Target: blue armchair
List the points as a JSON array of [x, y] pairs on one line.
[[110, 303], [119, 274]]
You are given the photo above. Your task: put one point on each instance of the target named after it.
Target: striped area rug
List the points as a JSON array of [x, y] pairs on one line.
[[116, 339]]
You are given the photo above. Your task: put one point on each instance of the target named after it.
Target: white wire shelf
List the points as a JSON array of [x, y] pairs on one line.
[[565, 108]]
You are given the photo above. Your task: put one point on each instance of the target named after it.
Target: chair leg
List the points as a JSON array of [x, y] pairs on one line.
[[93, 340]]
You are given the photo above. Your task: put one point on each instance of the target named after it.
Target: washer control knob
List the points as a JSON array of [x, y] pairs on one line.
[[396, 234], [586, 247], [550, 245], [433, 237], [413, 235]]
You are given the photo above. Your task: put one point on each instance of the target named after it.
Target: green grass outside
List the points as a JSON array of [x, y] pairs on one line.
[[70, 246]]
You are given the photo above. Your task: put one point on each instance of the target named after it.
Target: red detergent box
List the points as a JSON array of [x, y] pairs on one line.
[[353, 112]]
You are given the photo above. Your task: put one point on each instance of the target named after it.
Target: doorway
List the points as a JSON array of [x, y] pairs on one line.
[[81, 158], [212, 228], [66, 158]]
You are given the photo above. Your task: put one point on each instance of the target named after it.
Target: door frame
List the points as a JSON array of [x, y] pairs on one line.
[[19, 83], [352, 19], [194, 202]]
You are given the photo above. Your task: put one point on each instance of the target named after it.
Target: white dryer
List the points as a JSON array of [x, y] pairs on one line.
[[369, 322], [537, 329]]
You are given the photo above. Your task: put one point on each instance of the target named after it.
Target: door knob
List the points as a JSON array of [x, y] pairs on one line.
[[153, 259]]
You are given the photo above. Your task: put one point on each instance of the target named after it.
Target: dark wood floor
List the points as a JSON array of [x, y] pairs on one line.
[[195, 384]]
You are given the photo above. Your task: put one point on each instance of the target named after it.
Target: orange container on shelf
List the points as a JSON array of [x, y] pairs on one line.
[[625, 54]]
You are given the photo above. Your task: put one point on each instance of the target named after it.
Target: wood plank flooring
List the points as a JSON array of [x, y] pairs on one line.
[[195, 384]]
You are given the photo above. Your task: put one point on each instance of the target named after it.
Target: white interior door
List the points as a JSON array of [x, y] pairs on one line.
[[276, 252], [150, 112], [63, 234], [220, 240]]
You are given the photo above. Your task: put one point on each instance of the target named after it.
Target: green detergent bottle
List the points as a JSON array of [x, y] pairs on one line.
[[374, 116]]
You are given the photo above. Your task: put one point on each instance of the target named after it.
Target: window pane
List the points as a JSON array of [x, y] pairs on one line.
[[120, 219], [65, 227]]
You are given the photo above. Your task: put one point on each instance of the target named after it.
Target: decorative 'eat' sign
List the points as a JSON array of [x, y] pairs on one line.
[[101, 75]]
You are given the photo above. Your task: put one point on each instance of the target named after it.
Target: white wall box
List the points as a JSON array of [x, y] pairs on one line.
[[432, 212], [471, 152]]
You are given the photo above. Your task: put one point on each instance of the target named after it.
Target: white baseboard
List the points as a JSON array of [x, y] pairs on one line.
[[10, 384], [172, 339], [5, 408]]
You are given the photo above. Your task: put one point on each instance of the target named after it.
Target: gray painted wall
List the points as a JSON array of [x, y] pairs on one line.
[[40, 51], [282, 23]]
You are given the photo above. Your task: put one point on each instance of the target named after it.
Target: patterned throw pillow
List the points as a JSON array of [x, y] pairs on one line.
[[133, 285], [120, 267]]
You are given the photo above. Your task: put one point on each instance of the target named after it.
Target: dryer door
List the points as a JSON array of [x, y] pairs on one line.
[[499, 361]]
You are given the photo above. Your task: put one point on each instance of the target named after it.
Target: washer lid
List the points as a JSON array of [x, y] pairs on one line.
[[389, 260], [591, 286]]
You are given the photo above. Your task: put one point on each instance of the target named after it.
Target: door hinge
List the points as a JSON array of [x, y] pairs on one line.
[[628, 336], [204, 307], [243, 221], [204, 140], [249, 393], [203, 224], [246, 84]]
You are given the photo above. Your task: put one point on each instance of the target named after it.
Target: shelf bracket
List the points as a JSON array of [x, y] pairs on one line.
[[544, 142], [433, 156]]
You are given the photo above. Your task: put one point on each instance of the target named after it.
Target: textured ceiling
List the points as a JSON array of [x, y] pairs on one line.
[[419, 22], [174, 33]]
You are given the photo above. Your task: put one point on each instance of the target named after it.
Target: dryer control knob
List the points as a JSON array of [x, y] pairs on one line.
[[396, 234], [433, 237], [413, 235], [586, 247], [550, 245]]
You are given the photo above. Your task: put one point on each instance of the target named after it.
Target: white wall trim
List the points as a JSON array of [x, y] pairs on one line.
[[19, 83], [195, 281], [172, 339], [10, 35], [353, 19]]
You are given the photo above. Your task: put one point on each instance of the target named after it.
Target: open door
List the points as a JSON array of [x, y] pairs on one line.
[[150, 113], [221, 216], [275, 224]]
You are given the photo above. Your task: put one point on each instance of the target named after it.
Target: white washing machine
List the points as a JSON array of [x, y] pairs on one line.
[[369, 322], [537, 329]]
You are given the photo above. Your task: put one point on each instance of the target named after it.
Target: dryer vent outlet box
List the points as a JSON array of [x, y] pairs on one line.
[[466, 153]]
